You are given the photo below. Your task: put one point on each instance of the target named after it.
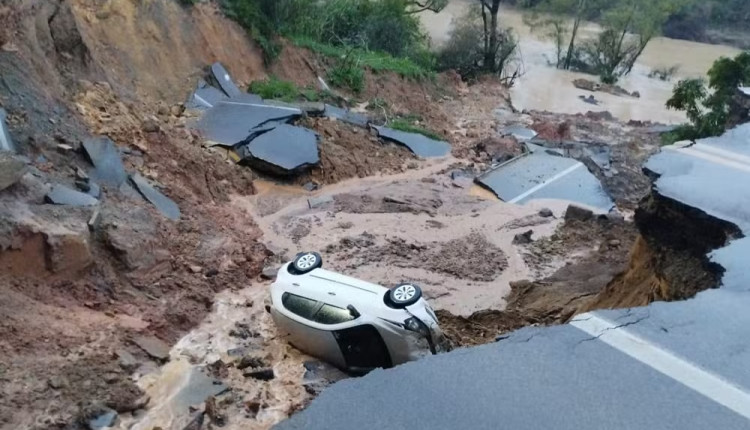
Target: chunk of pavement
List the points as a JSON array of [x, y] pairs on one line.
[[251, 361], [265, 374], [205, 96], [62, 195], [522, 134], [164, 204], [463, 181], [102, 420], [247, 99], [269, 272], [308, 108], [6, 143], [285, 150], [225, 81], [230, 124], [310, 186], [105, 157], [523, 238], [11, 169], [417, 143], [319, 201], [546, 213], [578, 213], [346, 115], [152, 346]]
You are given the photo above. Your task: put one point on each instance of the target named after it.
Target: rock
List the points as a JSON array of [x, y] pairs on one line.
[[153, 346], [126, 360], [68, 252], [320, 201], [195, 268], [251, 361], [260, 374], [150, 126], [56, 382], [83, 185], [463, 182], [523, 238], [614, 243], [546, 213], [64, 148], [345, 225], [111, 377], [11, 170], [213, 413], [578, 213], [269, 272], [105, 418], [311, 186], [177, 110], [81, 174], [615, 216]]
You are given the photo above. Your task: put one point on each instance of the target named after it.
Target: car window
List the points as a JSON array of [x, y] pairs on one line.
[[299, 305], [332, 315]]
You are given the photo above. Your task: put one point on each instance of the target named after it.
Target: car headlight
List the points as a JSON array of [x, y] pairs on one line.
[[415, 325]]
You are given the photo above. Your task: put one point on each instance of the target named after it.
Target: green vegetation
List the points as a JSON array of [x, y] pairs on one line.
[[709, 107], [379, 34], [408, 125], [278, 89], [664, 73]]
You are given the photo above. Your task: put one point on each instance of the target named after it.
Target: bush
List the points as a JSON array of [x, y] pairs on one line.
[[347, 74], [274, 88]]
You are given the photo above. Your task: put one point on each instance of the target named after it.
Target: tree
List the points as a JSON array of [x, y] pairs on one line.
[[416, 6], [491, 39], [708, 108]]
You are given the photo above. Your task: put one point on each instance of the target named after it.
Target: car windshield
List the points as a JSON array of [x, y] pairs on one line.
[[315, 310]]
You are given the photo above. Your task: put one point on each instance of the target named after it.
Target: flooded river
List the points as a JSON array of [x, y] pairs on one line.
[[543, 87]]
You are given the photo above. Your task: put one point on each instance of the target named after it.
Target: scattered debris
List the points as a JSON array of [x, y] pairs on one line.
[[590, 99], [164, 204], [419, 144], [269, 272], [11, 169], [346, 115], [523, 238], [522, 134], [284, 150], [260, 374], [546, 213], [6, 143], [62, 195], [251, 361], [539, 175], [578, 213], [153, 346], [104, 419], [105, 157]]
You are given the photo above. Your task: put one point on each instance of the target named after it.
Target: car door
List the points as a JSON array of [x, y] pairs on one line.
[[363, 348]]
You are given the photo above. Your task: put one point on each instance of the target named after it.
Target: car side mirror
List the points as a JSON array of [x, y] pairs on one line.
[[353, 311]]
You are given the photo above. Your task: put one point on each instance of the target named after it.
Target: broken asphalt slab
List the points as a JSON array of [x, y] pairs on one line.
[[284, 150], [164, 204], [522, 134], [229, 123], [104, 155], [417, 143], [62, 195], [152, 346], [543, 176], [225, 80], [205, 96], [6, 143], [346, 116]]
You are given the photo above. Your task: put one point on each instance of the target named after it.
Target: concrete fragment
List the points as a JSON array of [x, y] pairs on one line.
[[523, 134], [225, 81], [205, 96], [319, 201], [11, 169], [229, 123], [62, 195], [105, 157], [126, 360], [419, 144], [64, 148], [285, 150], [163, 203], [6, 143], [152, 346], [260, 374]]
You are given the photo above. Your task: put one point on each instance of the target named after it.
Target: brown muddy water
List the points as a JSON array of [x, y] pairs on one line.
[[543, 87]]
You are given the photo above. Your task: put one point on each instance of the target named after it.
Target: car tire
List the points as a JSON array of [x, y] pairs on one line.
[[306, 262], [404, 295]]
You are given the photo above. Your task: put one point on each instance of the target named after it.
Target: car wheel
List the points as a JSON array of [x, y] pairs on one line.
[[307, 261], [404, 295]]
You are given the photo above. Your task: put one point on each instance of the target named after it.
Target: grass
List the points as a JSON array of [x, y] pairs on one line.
[[274, 88], [405, 125], [376, 61]]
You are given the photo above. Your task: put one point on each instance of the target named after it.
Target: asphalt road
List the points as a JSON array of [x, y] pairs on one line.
[[680, 365]]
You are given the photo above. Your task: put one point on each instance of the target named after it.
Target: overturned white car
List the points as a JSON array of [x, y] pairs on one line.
[[354, 325]]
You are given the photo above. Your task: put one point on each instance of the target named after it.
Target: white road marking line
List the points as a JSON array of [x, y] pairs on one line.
[[203, 100], [703, 381], [710, 157], [547, 182]]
